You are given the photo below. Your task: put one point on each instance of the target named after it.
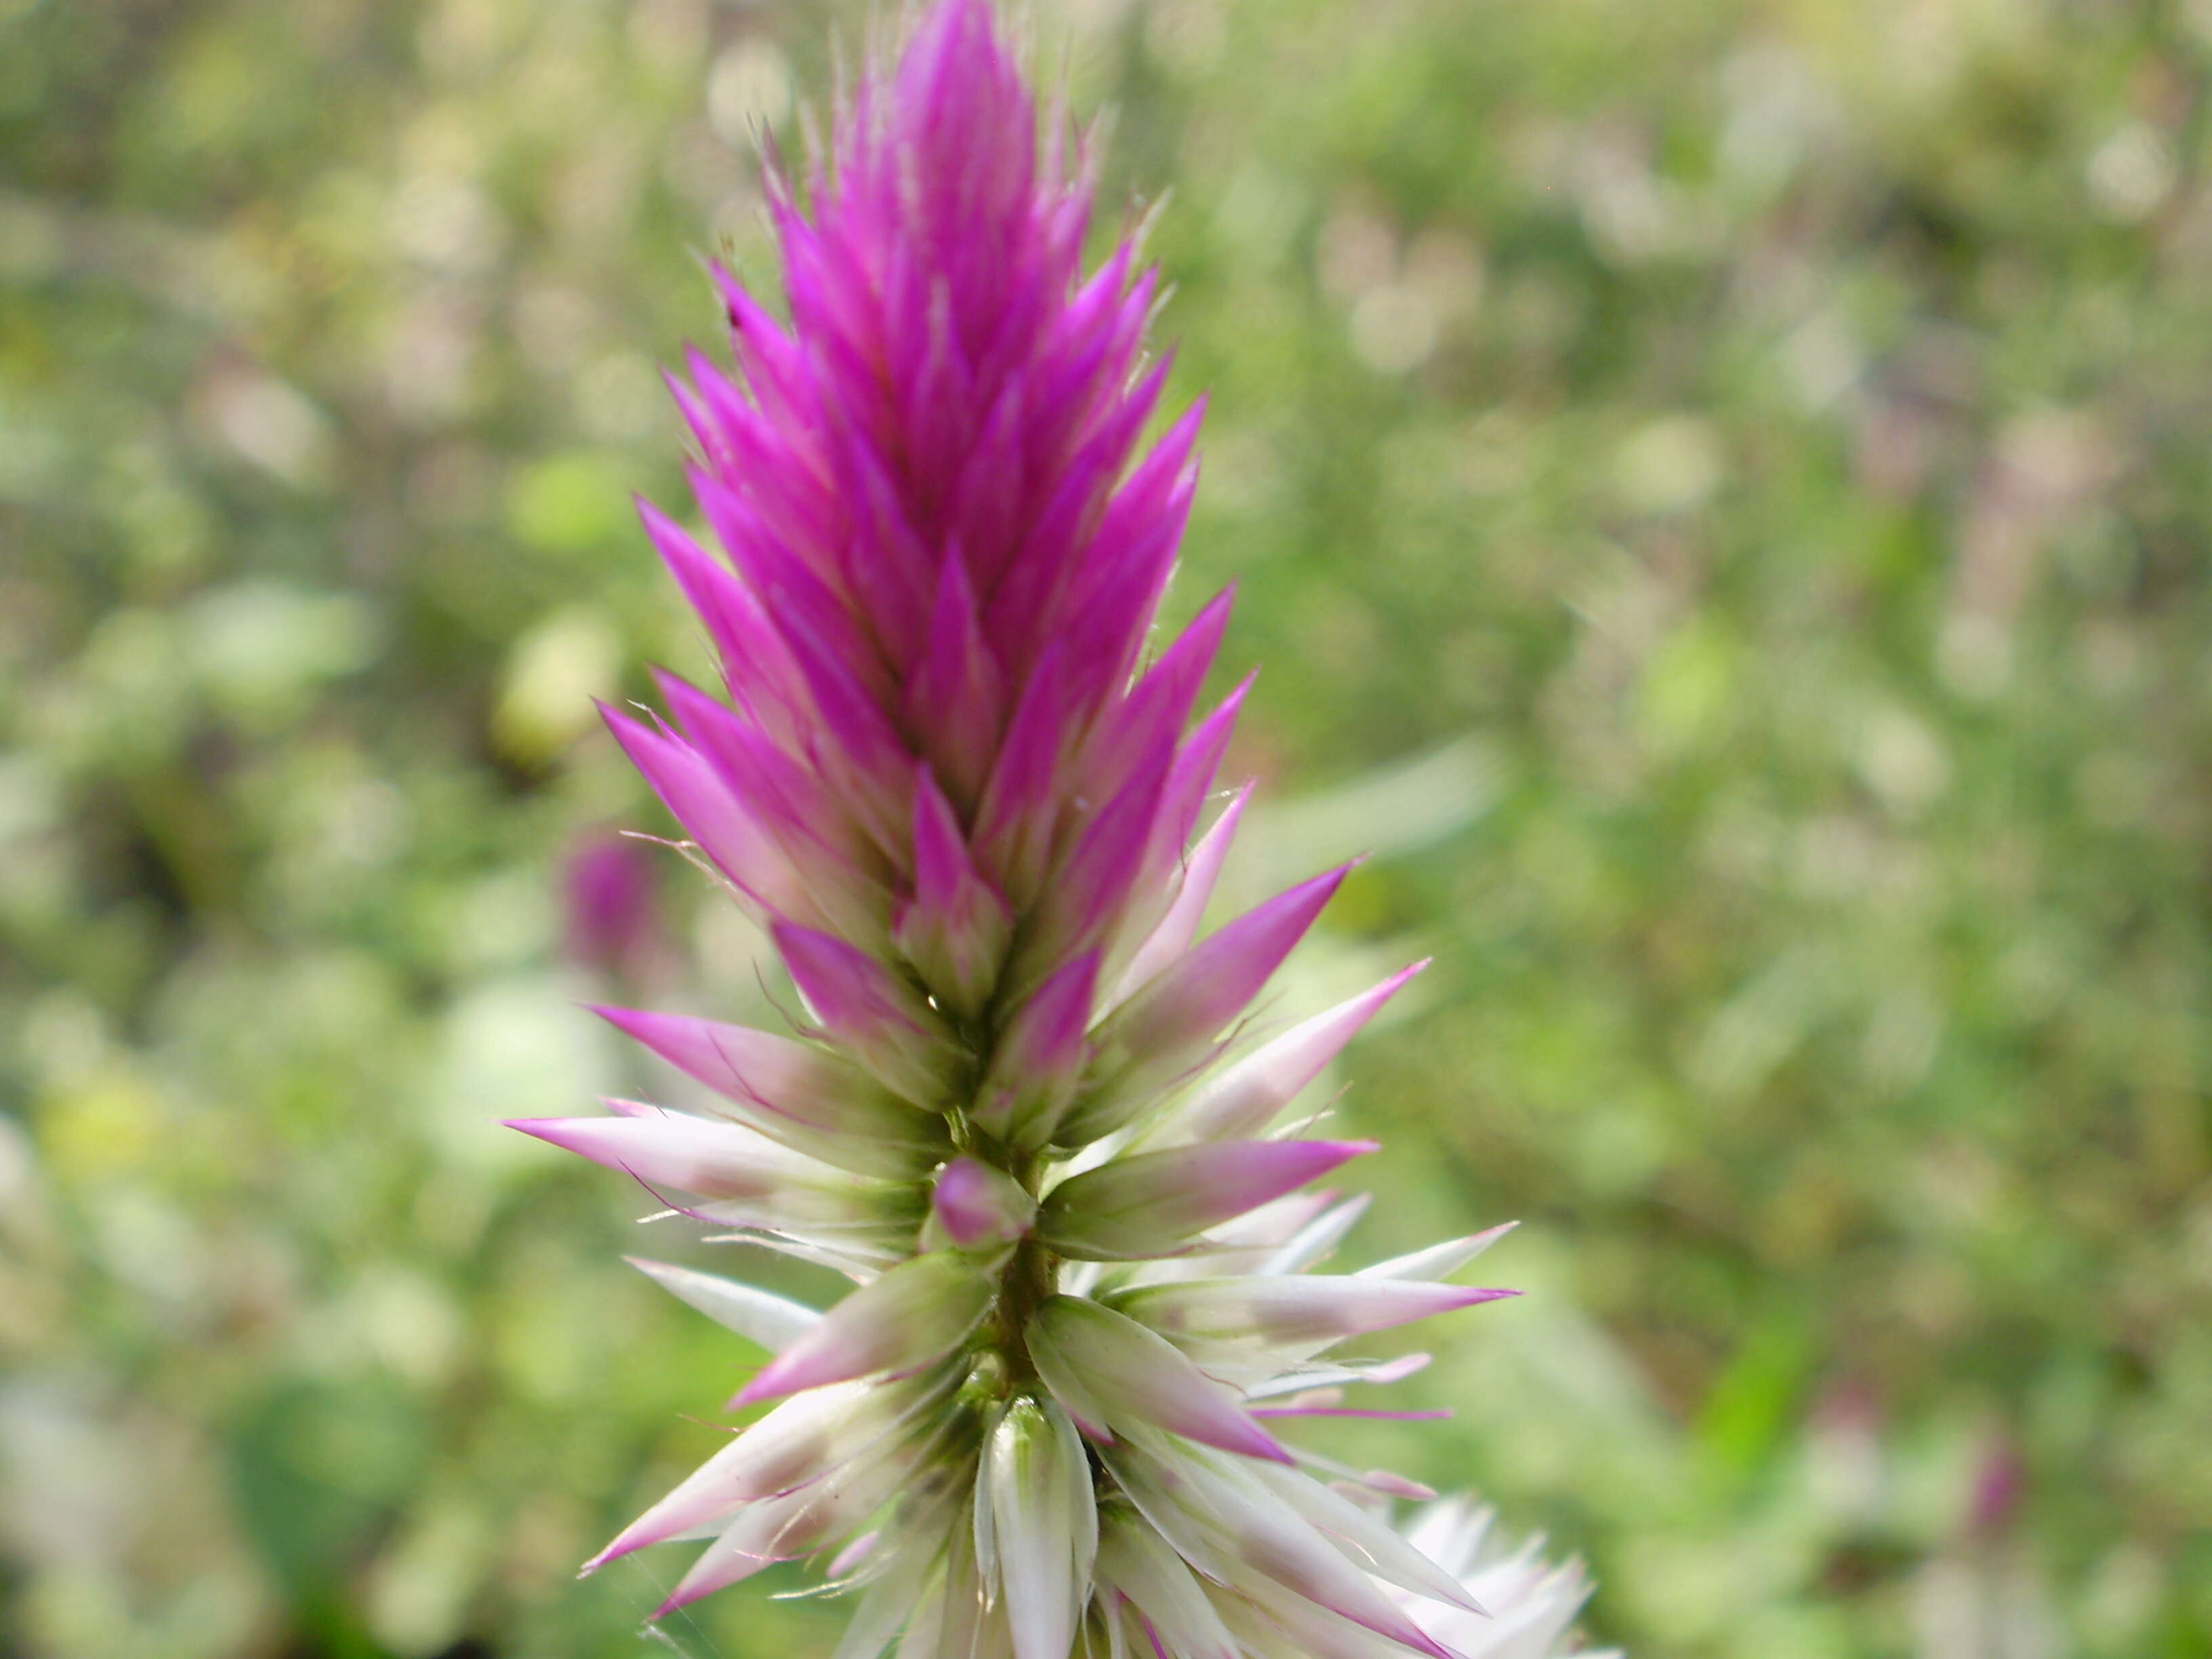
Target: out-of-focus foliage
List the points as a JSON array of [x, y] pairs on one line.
[[1721, 494]]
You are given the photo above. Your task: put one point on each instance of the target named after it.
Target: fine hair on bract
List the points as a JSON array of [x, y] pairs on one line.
[[1031, 1109]]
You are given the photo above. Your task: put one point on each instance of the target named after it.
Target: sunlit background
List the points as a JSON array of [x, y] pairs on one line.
[[1720, 494]]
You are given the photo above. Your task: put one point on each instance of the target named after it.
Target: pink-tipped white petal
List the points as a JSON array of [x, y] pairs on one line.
[[1369, 1541], [799, 1093], [1145, 1204], [691, 1154], [1291, 1312], [1175, 929], [1212, 982], [1168, 1026], [799, 1441], [783, 1529], [1531, 1601], [1245, 1098], [918, 1311], [702, 1497], [1269, 1617], [1169, 855], [1330, 1374], [1271, 1555], [1135, 1561], [1312, 1243], [1110, 1367]]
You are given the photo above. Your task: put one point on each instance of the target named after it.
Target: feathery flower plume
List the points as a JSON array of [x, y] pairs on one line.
[[948, 773]]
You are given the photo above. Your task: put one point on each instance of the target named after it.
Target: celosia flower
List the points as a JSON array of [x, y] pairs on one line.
[[1024, 1114]]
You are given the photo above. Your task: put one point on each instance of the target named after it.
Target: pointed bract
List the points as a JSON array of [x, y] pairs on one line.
[[979, 1207], [690, 1154], [1178, 925], [760, 1316], [1037, 1487], [1145, 1205], [1109, 1369], [1034, 1070], [1170, 1026], [869, 1010], [799, 1093], [1291, 1311], [1192, 999], [955, 928], [1244, 1098], [919, 1311]]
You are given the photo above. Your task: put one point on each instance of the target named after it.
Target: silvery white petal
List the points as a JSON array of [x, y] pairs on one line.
[[1135, 1561], [1035, 1488], [918, 1310], [760, 1316], [1111, 1372], [1437, 1261]]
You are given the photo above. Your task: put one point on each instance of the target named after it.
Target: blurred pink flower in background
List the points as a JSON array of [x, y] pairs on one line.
[[610, 888]]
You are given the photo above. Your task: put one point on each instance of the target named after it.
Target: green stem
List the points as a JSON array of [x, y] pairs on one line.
[[1031, 1273], [1028, 1280]]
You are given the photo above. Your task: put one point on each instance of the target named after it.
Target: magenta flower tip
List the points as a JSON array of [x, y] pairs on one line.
[[762, 1386], [978, 1206], [676, 1601]]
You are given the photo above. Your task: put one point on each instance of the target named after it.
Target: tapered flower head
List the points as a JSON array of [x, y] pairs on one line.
[[1028, 1109]]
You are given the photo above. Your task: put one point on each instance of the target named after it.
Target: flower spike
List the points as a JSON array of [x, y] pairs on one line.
[[955, 774]]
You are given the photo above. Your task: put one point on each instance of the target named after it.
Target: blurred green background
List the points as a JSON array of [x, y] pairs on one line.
[[1719, 492]]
